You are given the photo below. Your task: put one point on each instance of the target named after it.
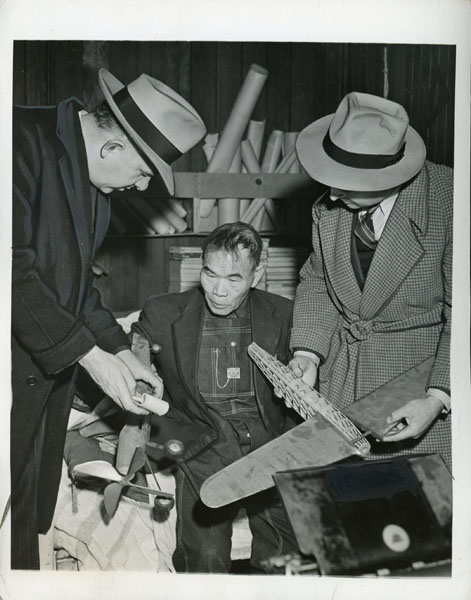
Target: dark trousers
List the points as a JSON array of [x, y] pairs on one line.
[[24, 507], [204, 534]]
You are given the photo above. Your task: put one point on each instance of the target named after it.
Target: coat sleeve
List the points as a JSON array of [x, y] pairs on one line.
[[145, 326], [100, 321], [314, 315], [440, 374], [55, 337]]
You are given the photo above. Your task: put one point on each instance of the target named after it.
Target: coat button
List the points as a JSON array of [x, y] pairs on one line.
[[31, 380]]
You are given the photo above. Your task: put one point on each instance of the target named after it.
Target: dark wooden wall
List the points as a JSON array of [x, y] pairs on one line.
[[306, 81]]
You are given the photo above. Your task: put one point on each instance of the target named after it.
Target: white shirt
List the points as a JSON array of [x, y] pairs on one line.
[[381, 215]]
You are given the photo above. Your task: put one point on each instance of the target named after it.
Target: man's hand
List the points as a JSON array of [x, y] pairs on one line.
[[114, 377], [418, 415], [304, 368], [140, 371]]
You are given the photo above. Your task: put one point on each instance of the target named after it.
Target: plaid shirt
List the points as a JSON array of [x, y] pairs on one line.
[[225, 375]]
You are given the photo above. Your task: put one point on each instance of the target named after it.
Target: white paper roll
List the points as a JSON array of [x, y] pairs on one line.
[[153, 216], [176, 206], [228, 208], [152, 403], [255, 133], [236, 124], [177, 222], [272, 155]]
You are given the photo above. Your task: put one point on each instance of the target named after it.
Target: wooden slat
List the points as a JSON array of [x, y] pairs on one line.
[[233, 185]]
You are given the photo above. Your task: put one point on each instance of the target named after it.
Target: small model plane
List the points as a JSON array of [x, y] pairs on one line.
[[134, 439], [325, 437], [118, 482]]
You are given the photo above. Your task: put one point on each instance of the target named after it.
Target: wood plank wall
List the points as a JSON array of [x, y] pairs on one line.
[[306, 81]]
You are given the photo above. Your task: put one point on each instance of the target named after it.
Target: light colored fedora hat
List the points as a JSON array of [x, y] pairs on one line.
[[366, 145], [161, 123]]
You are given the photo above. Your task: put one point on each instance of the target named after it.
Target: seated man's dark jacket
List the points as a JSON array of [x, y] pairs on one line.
[[175, 322]]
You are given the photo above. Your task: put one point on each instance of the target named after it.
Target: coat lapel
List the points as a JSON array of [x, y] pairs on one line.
[[74, 172], [76, 208], [103, 211], [266, 331], [404, 229], [335, 236], [186, 332]]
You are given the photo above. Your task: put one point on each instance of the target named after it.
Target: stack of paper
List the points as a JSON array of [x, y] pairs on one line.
[[184, 268], [282, 270]]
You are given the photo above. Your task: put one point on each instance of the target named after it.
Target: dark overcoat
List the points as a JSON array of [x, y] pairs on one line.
[[57, 314]]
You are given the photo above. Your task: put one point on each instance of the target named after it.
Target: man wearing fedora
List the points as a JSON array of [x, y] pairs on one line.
[[65, 163], [374, 298]]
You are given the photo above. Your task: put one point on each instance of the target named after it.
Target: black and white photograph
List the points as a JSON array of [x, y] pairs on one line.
[[231, 259]]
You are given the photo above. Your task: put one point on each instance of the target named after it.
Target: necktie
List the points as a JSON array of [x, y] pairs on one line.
[[364, 229]]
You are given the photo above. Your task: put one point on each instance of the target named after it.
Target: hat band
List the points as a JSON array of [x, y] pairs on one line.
[[360, 161], [145, 128]]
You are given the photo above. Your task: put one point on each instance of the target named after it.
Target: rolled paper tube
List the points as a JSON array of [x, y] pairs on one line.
[[176, 206], [177, 222], [249, 157], [255, 206], [290, 142], [257, 203], [273, 152], [153, 216], [255, 133], [236, 124], [243, 206], [251, 163], [152, 403], [209, 146], [233, 131], [228, 208], [258, 219], [287, 162]]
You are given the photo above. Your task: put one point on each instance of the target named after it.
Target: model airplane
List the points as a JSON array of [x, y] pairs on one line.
[[118, 482], [134, 439], [325, 437]]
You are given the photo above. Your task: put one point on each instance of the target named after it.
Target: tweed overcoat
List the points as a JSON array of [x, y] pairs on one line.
[[57, 314], [175, 321], [402, 316]]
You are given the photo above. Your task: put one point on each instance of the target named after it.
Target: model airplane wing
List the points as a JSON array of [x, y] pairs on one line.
[[326, 437], [99, 468]]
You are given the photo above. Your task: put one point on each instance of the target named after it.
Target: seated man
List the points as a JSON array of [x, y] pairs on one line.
[[221, 407]]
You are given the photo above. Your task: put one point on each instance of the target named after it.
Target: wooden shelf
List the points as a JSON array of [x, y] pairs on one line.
[[234, 185]]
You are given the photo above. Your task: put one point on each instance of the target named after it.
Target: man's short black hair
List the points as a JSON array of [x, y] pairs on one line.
[[230, 237], [105, 118]]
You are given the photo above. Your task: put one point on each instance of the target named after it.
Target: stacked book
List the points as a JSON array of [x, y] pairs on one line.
[[185, 263], [262, 285], [184, 268], [282, 270]]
